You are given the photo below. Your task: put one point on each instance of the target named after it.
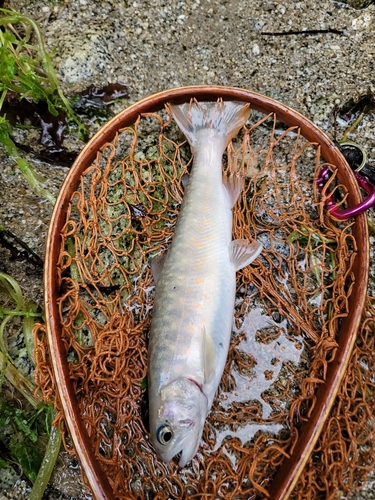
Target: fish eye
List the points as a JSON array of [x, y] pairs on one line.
[[164, 434]]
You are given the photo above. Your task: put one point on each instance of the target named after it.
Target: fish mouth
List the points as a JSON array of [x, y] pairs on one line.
[[188, 451], [182, 457], [168, 456], [185, 456]]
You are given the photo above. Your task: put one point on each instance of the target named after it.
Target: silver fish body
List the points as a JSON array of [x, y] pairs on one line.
[[195, 287]]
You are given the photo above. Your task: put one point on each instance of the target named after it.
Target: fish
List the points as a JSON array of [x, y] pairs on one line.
[[195, 285]]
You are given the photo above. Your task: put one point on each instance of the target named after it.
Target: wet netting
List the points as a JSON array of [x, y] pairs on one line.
[[289, 307]]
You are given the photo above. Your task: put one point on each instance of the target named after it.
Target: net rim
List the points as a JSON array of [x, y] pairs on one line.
[[288, 474]]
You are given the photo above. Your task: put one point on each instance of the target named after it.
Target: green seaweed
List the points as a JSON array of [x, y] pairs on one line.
[[22, 432], [27, 70], [47, 465]]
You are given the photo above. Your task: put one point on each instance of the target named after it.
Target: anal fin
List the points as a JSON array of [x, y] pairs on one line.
[[233, 186]]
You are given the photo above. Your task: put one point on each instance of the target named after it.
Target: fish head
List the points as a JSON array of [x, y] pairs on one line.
[[177, 418]]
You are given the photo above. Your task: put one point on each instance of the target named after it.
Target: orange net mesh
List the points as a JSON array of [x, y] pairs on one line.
[[345, 453], [289, 308]]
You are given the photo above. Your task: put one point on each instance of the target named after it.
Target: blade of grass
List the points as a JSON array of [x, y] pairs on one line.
[[48, 463]]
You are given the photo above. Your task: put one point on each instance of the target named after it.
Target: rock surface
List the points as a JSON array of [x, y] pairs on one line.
[[311, 56]]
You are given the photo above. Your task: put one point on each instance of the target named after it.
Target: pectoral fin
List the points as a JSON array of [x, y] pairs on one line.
[[233, 186], [156, 264], [242, 253], [208, 357]]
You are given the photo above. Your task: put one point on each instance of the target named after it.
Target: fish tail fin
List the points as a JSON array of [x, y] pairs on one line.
[[225, 118]]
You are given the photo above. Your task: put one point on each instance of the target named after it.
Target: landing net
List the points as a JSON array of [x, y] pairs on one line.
[[290, 304]]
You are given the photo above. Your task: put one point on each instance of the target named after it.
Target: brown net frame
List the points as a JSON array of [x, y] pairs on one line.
[[291, 306], [345, 453]]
